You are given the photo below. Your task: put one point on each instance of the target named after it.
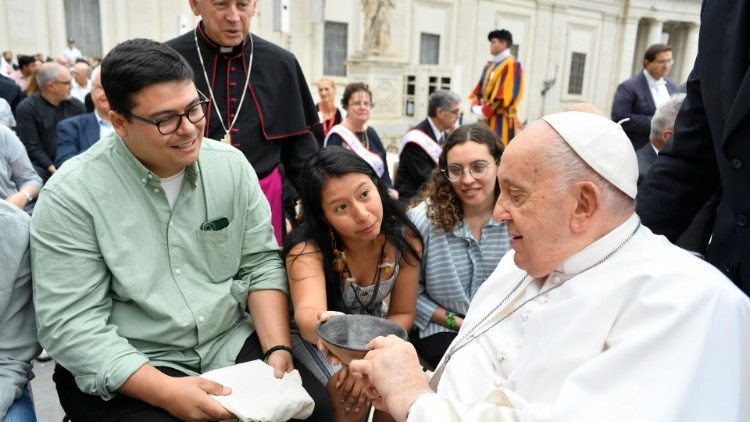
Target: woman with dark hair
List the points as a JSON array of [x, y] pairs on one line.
[[328, 113], [353, 133], [354, 247], [462, 242]]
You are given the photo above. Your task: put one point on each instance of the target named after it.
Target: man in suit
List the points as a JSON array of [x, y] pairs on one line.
[[711, 145], [11, 92], [76, 134], [638, 98], [662, 127], [420, 148]]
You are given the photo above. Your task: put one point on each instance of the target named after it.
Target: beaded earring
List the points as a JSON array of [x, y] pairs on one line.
[[387, 267], [339, 257]]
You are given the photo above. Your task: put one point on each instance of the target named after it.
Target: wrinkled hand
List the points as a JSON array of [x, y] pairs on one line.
[[324, 316], [393, 376], [187, 398], [351, 391], [281, 362]]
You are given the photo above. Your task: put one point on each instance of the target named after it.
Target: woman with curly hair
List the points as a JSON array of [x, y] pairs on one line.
[[462, 242], [354, 248]]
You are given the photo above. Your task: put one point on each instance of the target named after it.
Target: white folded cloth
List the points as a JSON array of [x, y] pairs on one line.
[[257, 395]]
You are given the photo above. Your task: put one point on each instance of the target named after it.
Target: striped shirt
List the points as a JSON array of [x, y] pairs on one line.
[[454, 265]]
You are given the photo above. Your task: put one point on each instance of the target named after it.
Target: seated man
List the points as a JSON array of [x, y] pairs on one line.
[[150, 250], [18, 344], [76, 134], [592, 317], [420, 148], [19, 182]]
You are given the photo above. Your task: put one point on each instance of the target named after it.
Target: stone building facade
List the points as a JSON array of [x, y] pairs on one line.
[[572, 50]]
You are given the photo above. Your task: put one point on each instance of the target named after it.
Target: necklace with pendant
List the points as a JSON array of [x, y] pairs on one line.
[[227, 136]]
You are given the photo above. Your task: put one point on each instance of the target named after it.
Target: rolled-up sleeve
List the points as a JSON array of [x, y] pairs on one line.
[[261, 267], [73, 299]]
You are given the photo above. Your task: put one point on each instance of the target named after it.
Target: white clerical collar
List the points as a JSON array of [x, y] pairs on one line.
[[596, 251], [438, 133], [651, 81], [502, 56]]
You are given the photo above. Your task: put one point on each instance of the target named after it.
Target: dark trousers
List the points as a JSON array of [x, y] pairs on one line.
[[432, 348], [82, 407]]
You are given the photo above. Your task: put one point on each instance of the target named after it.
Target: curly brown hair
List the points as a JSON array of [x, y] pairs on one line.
[[444, 208]]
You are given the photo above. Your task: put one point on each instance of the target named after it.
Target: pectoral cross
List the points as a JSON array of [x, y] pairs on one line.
[[227, 139]]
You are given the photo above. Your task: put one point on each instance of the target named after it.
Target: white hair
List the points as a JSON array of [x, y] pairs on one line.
[[665, 115], [570, 168]]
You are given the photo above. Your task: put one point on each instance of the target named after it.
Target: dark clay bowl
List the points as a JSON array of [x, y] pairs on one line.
[[346, 336]]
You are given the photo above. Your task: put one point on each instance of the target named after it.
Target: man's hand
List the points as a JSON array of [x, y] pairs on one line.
[[187, 399], [51, 169], [392, 374], [281, 362]]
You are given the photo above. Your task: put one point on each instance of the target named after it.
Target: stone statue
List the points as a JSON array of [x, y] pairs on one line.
[[377, 25]]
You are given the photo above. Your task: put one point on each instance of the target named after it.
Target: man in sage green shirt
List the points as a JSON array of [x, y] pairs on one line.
[[147, 258]]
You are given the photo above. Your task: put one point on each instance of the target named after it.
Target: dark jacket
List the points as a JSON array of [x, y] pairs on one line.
[[414, 167], [711, 145], [633, 100], [75, 135]]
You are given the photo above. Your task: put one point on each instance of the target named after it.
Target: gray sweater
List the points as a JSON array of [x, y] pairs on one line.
[[16, 170]]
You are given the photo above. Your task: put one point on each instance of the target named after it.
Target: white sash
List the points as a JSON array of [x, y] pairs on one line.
[[352, 142], [422, 140]]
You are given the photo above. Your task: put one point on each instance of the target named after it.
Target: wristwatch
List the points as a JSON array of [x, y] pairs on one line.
[[28, 197]]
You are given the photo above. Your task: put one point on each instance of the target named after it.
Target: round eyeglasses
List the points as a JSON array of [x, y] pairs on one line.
[[170, 124], [477, 170]]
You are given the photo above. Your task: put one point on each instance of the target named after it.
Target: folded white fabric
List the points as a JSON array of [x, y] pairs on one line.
[[258, 396]]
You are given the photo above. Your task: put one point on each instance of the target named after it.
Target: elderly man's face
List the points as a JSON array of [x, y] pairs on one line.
[[538, 215], [226, 22]]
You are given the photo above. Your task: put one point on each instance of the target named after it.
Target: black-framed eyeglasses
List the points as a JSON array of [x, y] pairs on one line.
[[170, 124], [477, 169]]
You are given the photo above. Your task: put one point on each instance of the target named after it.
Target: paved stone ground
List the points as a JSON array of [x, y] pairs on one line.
[[45, 396]]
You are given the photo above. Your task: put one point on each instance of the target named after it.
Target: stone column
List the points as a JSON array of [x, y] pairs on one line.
[[690, 51], [655, 29], [629, 41]]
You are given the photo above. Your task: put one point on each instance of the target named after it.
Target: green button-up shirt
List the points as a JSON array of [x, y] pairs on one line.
[[121, 279]]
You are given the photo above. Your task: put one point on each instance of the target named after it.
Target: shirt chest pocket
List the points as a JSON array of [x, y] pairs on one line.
[[221, 250]]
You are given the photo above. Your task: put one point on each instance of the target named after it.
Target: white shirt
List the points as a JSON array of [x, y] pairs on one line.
[[105, 128], [438, 134], [72, 54], [79, 91], [658, 89], [172, 186], [651, 334]]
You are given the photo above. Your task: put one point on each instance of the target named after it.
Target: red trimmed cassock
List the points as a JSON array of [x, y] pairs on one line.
[[499, 90], [273, 127]]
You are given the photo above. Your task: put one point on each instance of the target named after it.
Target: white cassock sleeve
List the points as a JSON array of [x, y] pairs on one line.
[[673, 354], [496, 406]]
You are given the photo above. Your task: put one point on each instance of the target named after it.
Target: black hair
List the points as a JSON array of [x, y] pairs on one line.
[[654, 50], [135, 64], [335, 161], [502, 35], [24, 61]]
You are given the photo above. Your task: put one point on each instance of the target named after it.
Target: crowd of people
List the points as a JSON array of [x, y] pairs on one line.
[[173, 214]]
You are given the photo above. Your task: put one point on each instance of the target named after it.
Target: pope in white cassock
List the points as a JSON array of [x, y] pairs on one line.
[[592, 317]]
